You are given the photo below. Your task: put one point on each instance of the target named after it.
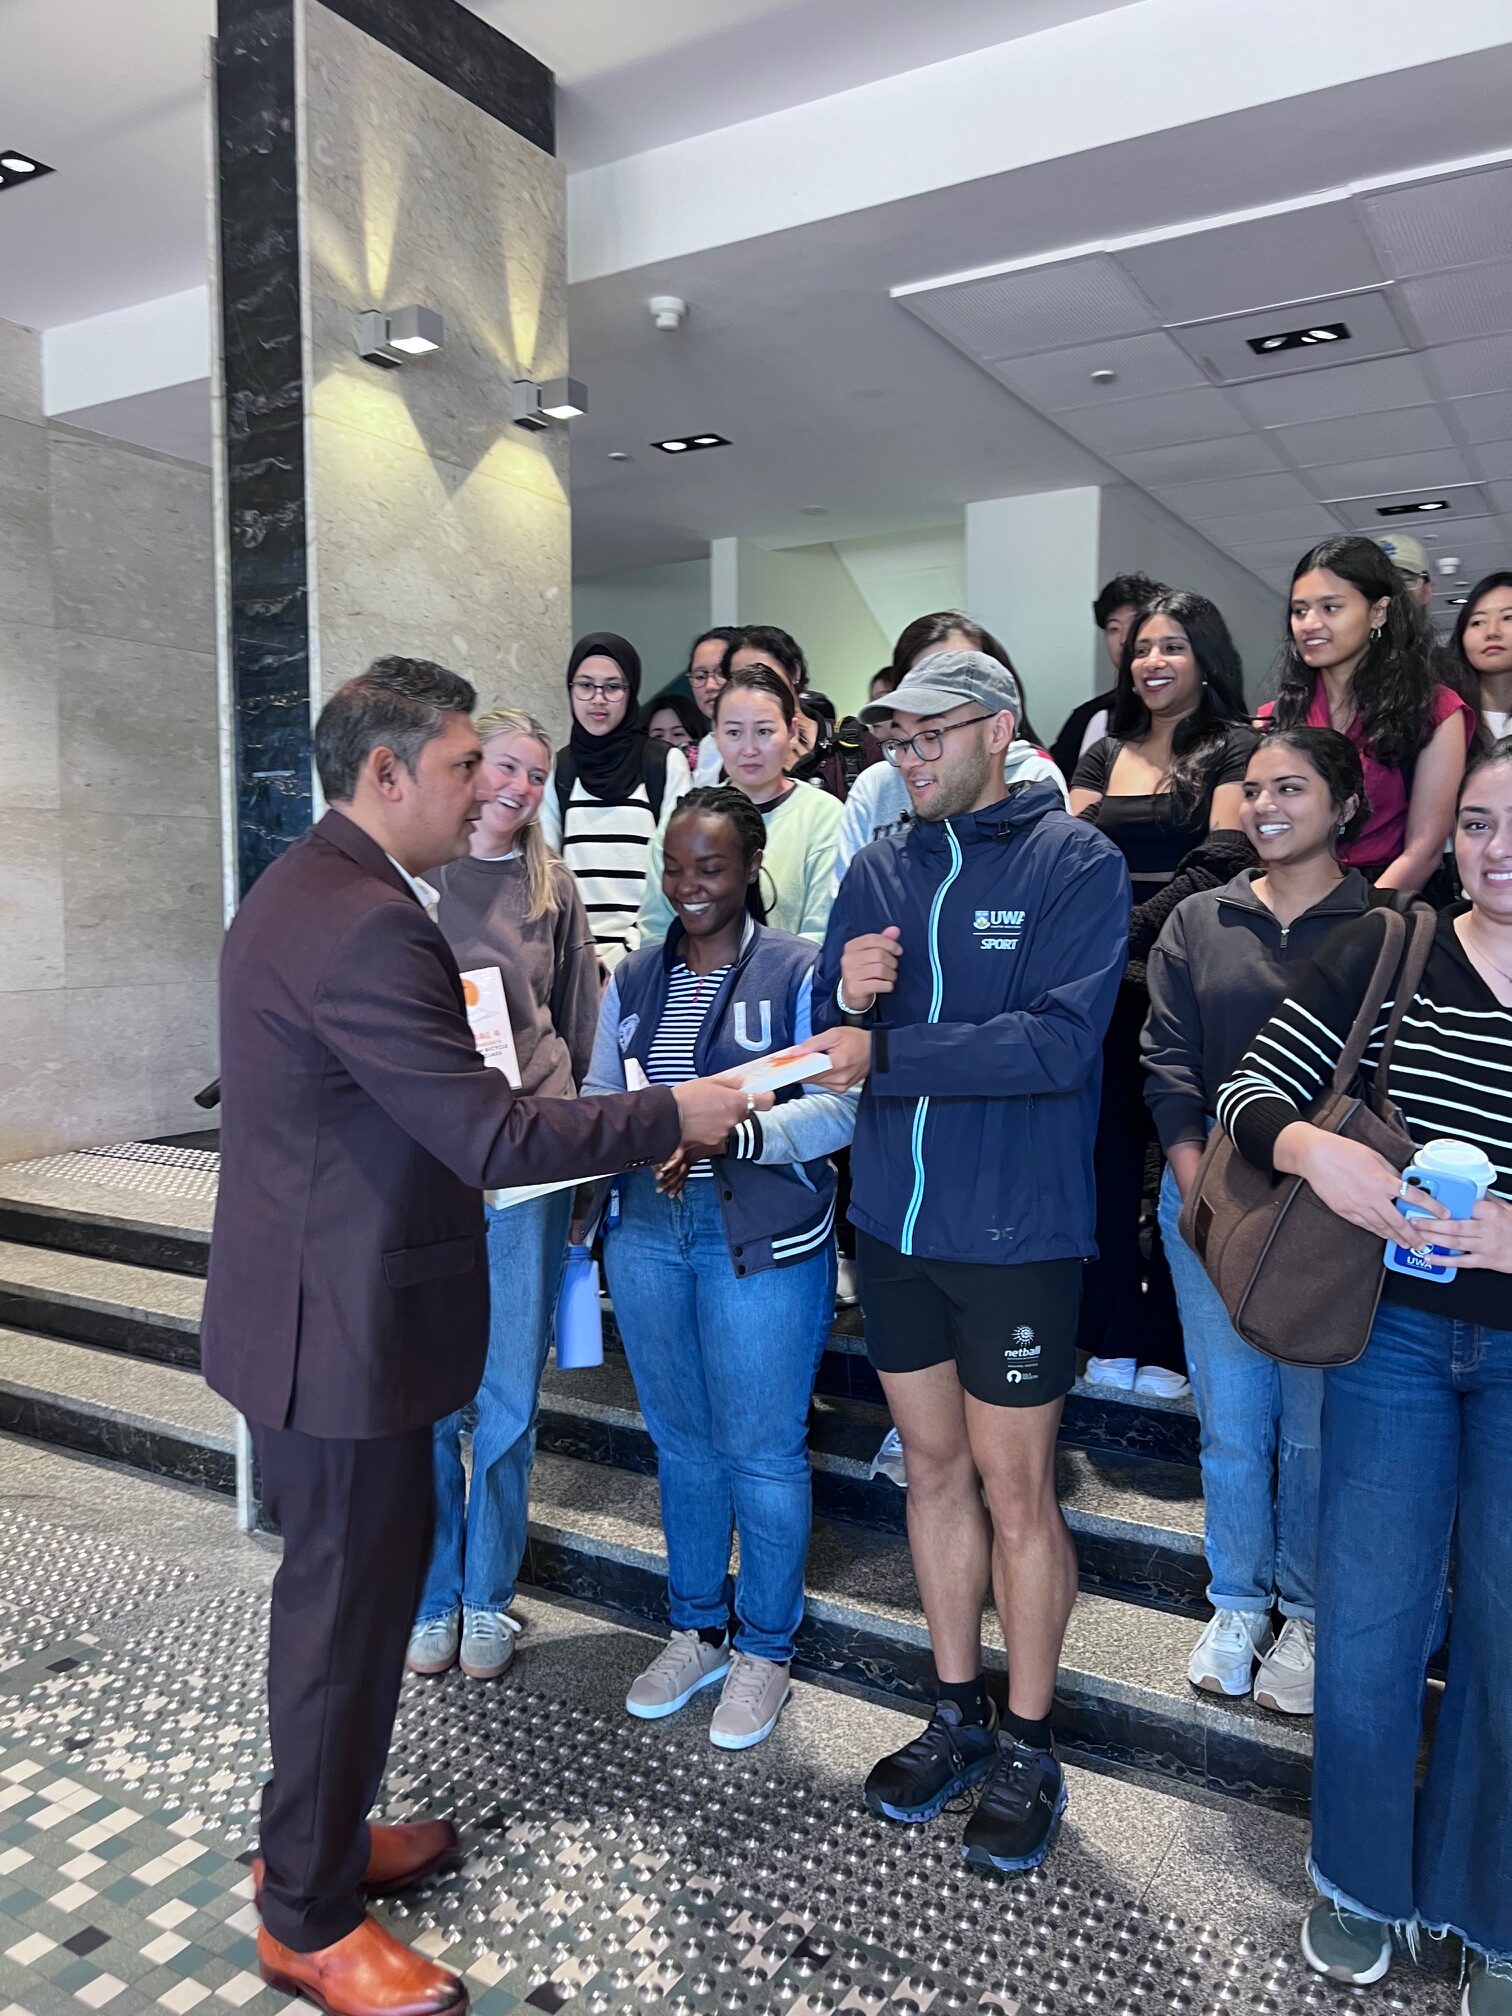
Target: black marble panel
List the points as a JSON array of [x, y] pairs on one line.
[[104, 1242], [264, 423], [133, 1336], [452, 44], [74, 1424], [1091, 1422]]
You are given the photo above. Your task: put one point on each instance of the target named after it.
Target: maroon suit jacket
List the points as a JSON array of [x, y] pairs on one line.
[[348, 1290]]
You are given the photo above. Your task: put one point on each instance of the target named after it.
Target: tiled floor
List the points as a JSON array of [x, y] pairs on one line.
[[611, 1865]]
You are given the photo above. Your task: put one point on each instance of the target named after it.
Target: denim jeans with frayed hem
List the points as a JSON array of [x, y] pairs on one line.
[[1261, 1431], [475, 1557], [1417, 1470], [724, 1367]]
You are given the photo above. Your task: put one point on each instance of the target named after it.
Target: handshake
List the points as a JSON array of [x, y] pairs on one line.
[[709, 1109]]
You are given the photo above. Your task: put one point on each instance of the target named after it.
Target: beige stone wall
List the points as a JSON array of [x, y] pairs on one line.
[[436, 526], [110, 893]]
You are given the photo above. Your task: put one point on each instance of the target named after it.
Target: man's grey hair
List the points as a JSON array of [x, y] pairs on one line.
[[398, 704]]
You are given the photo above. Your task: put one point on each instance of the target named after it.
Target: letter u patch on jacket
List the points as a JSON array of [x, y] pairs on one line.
[[742, 1027]]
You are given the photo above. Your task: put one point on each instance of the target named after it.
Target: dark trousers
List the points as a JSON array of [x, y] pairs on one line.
[[1128, 1304], [356, 1520]]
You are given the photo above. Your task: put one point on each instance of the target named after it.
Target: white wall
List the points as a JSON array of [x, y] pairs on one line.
[[1136, 536], [660, 609], [1031, 576], [809, 591], [901, 575]]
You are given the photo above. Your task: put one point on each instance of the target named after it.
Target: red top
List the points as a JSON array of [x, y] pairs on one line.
[[1384, 834]]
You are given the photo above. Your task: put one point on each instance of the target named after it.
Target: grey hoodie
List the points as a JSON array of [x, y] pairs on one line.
[[1218, 970]]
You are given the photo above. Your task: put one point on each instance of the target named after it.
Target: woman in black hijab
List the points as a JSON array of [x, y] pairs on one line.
[[610, 790]]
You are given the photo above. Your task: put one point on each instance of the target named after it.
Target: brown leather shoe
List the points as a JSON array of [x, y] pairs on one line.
[[369, 1973], [397, 1856]]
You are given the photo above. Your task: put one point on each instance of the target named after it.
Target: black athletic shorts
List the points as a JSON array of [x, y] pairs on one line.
[[1010, 1330]]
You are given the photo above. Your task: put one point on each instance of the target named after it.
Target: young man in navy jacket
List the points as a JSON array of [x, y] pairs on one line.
[[967, 978]]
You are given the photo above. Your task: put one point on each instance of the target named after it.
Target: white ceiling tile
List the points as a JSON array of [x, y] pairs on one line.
[[1407, 432], [1390, 472], [1487, 417], [1200, 461], [1464, 368], [1035, 308], [1500, 495], [1453, 307], [1493, 460], [1452, 222], [1222, 347], [1240, 497], [1375, 386], [1126, 425], [1465, 501], [1060, 379], [1291, 257], [1302, 523]]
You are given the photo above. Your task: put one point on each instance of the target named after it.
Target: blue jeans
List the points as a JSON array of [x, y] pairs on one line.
[[1260, 1425], [724, 1368], [1417, 1467], [527, 1250]]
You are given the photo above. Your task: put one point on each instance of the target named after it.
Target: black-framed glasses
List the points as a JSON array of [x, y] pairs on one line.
[[586, 689], [709, 676], [929, 744]]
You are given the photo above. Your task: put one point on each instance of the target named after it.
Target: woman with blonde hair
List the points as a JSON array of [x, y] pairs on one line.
[[508, 909]]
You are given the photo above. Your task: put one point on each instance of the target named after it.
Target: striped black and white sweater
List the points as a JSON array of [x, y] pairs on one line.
[[1450, 1075], [607, 845]]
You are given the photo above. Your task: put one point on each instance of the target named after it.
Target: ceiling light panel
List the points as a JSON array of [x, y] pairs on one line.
[[1408, 432], [1130, 424], [1305, 525], [1379, 473], [1363, 514], [1035, 308], [1486, 417], [1265, 259], [1062, 379], [1333, 394], [1433, 225], [1466, 368], [1198, 501], [1223, 347], [1199, 461], [1453, 307]]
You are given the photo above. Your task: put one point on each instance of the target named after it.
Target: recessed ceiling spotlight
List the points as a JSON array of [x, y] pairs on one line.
[[1406, 510], [1299, 339], [618, 455], [813, 511], [689, 441], [1456, 601], [1104, 377], [17, 168]]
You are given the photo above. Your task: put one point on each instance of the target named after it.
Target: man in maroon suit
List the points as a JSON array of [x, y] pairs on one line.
[[347, 1304]]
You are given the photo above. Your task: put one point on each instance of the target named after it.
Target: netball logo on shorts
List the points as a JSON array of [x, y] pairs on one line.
[[1021, 1358]]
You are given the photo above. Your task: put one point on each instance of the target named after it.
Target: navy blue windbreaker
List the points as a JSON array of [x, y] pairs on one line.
[[974, 1135]]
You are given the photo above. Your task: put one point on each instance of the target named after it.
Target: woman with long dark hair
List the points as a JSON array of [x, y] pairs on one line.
[[723, 1269], [1165, 785], [1356, 659], [1482, 647]]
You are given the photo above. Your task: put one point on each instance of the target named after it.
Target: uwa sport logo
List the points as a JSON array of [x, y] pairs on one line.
[[998, 930]]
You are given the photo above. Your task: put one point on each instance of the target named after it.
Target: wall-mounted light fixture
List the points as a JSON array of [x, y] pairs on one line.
[[391, 340], [536, 406]]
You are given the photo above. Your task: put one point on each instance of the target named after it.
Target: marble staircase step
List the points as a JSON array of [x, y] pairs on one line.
[[106, 1217], [143, 1312], [1123, 1695], [1137, 1520], [156, 1418]]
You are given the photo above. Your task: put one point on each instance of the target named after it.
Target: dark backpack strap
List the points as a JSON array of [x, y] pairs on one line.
[[565, 776], [654, 776]]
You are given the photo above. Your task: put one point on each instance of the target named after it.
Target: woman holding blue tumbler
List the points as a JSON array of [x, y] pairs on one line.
[[723, 1271], [512, 914]]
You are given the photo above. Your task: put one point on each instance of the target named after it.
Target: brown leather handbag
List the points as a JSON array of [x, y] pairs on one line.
[[1300, 1283]]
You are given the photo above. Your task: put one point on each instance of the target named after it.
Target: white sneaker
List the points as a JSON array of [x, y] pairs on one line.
[[889, 1460], [433, 1646], [1112, 1372], [754, 1696], [847, 1294], [1285, 1679], [488, 1642], [684, 1665], [1223, 1659], [1160, 1380]]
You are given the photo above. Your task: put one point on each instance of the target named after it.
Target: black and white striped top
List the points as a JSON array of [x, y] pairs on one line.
[[670, 1060], [1450, 1075]]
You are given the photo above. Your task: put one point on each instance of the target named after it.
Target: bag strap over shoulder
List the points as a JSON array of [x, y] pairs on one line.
[[1421, 929], [1382, 978]]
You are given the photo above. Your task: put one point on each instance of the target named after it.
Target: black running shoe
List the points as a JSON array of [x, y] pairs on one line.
[[1017, 1815], [919, 1781]]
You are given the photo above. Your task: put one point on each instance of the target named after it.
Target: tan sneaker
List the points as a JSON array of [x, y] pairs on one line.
[[683, 1667], [754, 1696]]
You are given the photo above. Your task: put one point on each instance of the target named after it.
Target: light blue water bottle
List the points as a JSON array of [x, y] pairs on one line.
[[579, 1316]]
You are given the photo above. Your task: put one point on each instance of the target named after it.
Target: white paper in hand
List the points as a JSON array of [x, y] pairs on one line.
[[488, 1018], [770, 1074]]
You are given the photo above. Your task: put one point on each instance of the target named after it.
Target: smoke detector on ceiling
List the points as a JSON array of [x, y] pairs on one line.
[[668, 311]]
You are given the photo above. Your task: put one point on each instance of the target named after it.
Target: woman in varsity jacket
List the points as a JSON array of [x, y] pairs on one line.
[[723, 1271], [1417, 1438]]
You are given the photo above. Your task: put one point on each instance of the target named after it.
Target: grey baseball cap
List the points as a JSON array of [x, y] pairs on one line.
[[949, 679]]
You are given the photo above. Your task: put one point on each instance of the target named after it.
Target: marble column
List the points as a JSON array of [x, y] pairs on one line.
[[380, 154]]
